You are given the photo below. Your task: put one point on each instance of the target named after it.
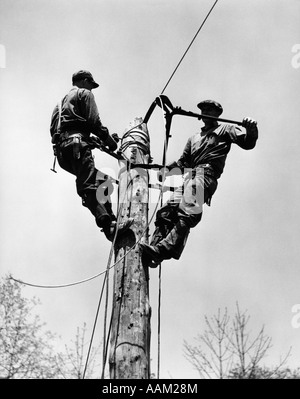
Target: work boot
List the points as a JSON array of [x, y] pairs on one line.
[[150, 255], [120, 228]]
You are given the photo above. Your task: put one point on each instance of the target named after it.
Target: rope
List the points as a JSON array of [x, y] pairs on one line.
[[57, 285], [164, 159], [159, 269], [158, 322], [93, 331], [188, 47], [106, 345], [105, 320]]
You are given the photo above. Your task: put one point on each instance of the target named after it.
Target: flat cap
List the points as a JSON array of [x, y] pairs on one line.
[[82, 74], [210, 104]]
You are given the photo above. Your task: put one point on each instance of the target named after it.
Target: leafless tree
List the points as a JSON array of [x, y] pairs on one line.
[[75, 357], [27, 349], [226, 349]]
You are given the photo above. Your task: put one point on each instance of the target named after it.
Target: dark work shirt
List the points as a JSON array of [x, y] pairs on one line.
[[79, 113], [211, 146]]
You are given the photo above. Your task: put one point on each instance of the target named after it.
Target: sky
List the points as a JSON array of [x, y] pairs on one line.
[[246, 248]]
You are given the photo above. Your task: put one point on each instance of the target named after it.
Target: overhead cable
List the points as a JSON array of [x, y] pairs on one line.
[[177, 66]]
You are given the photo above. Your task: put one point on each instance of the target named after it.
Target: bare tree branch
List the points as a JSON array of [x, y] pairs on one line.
[[227, 349]]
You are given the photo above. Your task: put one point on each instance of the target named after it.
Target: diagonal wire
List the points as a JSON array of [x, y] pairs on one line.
[[173, 73]]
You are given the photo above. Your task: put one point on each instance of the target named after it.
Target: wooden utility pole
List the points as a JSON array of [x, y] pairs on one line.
[[130, 328]]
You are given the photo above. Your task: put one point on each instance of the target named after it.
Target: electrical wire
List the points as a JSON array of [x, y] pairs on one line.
[[93, 331], [173, 73]]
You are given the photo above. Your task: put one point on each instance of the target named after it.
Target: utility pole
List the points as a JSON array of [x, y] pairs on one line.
[[130, 325]]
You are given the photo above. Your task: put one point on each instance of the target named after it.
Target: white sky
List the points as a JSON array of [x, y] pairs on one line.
[[246, 248]]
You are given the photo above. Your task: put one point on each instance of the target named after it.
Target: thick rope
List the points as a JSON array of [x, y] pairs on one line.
[[93, 331]]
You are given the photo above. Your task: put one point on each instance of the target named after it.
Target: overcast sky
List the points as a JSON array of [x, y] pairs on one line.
[[246, 247]]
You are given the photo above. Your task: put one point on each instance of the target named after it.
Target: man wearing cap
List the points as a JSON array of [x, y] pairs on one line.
[[202, 162], [73, 120]]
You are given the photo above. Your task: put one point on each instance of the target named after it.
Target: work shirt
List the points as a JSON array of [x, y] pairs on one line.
[[211, 146], [79, 113]]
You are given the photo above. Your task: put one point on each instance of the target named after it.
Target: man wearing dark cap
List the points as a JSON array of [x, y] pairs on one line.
[[202, 162], [73, 121]]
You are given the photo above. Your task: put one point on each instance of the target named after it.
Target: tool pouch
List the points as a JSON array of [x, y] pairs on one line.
[[76, 147]]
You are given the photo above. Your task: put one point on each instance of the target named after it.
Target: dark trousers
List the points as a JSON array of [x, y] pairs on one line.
[[172, 228], [173, 222], [75, 156]]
